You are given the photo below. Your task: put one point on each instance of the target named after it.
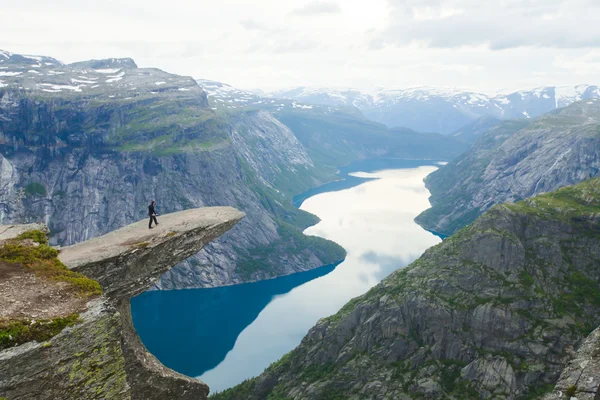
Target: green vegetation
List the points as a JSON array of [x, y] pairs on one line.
[[43, 260], [292, 242], [35, 189], [571, 390], [337, 137], [570, 204], [14, 333], [35, 235], [535, 289]]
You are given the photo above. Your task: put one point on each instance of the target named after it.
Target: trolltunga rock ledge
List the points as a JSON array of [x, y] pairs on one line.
[[102, 356], [129, 260]]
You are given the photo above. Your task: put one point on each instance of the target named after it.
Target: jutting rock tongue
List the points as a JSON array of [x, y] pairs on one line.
[[102, 356], [129, 260]]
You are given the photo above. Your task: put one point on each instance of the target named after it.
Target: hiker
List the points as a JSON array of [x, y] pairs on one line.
[[152, 214]]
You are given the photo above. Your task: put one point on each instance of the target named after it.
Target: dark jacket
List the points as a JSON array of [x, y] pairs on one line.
[[151, 211]]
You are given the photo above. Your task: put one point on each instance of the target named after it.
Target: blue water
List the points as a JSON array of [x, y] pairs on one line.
[[192, 330], [225, 335]]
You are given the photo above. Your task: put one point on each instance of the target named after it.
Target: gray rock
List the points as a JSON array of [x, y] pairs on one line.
[[102, 357]]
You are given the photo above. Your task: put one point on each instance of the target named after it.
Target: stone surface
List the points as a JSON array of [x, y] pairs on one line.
[[581, 376], [102, 357], [493, 312], [129, 260], [514, 161], [82, 362], [12, 231]]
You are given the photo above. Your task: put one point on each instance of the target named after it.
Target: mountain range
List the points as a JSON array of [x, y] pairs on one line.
[[84, 147], [493, 312], [443, 111], [514, 160]]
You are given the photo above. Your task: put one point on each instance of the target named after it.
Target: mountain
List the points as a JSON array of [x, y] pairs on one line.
[[513, 161], [336, 134], [85, 147], [444, 111], [494, 311]]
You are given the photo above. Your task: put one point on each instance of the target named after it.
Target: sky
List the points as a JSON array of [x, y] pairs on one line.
[[480, 45]]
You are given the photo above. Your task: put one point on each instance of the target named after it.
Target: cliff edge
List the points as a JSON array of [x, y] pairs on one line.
[[98, 355]]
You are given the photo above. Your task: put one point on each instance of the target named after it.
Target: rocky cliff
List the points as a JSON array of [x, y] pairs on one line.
[[514, 161], [494, 311], [100, 356], [85, 147]]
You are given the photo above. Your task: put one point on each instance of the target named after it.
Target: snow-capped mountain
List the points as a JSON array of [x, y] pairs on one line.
[[117, 78], [443, 110], [227, 97]]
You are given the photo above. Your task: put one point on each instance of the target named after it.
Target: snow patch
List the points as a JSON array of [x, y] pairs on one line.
[[182, 89], [73, 80], [2, 84], [36, 58], [60, 87], [107, 70], [526, 114], [55, 72], [160, 83], [9, 73], [31, 71], [5, 54]]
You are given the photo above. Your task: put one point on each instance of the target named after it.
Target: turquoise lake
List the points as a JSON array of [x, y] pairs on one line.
[[228, 334]]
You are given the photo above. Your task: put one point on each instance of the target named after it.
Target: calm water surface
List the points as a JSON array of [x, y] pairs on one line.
[[225, 335]]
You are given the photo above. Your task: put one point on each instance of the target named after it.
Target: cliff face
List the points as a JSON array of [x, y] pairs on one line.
[[514, 161], [85, 147], [101, 357], [494, 311]]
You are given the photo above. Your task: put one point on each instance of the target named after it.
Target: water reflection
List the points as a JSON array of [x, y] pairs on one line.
[[240, 330], [374, 223], [192, 330]]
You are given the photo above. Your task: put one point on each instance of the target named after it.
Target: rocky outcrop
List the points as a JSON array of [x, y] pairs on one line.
[[494, 311], [129, 260], [87, 158], [580, 378], [514, 161], [102, 357]]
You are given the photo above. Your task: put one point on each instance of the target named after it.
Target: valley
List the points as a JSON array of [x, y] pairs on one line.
[[341, 193]]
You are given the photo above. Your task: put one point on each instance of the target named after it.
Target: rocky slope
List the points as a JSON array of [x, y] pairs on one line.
[[337, 134], [494, 311], [85, 147], [513, 161], [100, 356], [444, 111]]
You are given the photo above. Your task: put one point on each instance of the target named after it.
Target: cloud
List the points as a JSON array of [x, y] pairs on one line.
[[498, 25], [296, 46], [252, 25], [317, 8]]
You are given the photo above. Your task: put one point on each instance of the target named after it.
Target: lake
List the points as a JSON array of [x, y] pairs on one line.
[[228, 334]]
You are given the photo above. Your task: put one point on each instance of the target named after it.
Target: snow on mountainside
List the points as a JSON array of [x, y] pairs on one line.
[[112, 78], [224, 96], [443, 110]]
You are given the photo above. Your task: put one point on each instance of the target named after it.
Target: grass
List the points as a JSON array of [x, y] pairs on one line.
[[13, 333], [35, 235], [35, 189], [43, 260]]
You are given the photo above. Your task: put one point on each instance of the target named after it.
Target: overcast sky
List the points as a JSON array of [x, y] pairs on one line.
[[485, 45]]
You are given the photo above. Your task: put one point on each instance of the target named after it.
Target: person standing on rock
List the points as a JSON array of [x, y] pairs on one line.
[[152, 214]]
